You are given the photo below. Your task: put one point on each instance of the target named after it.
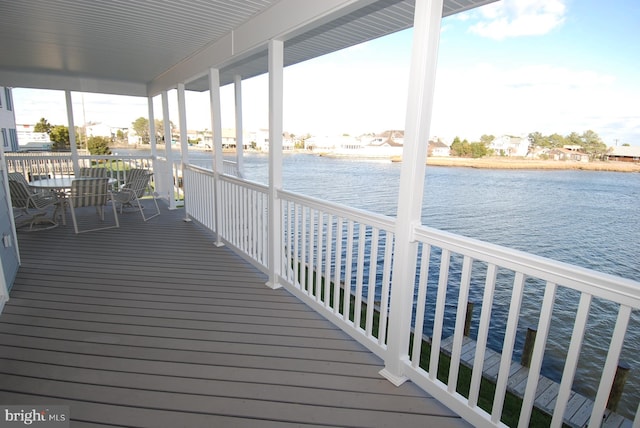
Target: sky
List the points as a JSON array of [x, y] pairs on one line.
[[509, 68]]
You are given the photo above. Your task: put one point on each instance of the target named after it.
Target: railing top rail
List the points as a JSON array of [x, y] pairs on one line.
[[65, 155], [614, 288], [199, 169], [378, 221], [258, 187]]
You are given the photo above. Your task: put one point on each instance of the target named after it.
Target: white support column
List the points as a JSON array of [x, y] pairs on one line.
[[184, 142], [428, 16], [218, 160], [239, 127], [276, 88], [152, 129], [182, 120], [72, 134], [152, 140], [167, 148]]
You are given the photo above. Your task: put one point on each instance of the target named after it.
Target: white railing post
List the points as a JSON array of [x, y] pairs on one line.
[[169, 176], [218, 161], [184, 142], [72, 133], [239, 130], [152, 137], [276, 79], [428, 15]]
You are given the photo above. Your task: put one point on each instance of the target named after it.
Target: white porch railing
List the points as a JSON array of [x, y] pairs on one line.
[[339, 261], [166, 180]]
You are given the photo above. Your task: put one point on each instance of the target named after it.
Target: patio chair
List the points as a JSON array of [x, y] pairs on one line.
[[133, 190], [17, 176], [92, 172], [91, 192], [34, 205]]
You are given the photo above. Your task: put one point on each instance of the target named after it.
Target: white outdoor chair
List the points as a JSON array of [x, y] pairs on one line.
[[34, 205], [136, 187], [92, 172], [91, 192]]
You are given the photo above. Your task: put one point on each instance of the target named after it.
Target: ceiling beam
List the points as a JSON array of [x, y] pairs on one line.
[[72, 83]]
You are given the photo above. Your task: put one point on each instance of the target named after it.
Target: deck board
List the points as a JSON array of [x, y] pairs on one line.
[[152, 325]]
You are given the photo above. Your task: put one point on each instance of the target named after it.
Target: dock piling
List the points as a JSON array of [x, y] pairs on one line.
[[527, 350], [622, 372]]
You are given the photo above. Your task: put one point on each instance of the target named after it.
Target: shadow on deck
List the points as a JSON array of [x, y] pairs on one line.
[[152, 325]]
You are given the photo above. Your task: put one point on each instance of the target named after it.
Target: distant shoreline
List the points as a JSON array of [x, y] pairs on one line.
[[495, 162], [506, 163]]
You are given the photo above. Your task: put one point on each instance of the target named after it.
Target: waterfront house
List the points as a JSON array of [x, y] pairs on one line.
[[438, 148], [565, 154], [624, 154], [510, 145], [106, 325]]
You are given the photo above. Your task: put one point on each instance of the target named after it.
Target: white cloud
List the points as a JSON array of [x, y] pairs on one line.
[[513, 18]]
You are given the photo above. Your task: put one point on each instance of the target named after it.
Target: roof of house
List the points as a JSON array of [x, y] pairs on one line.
[[437, 144], [626, 151], [143, 47]]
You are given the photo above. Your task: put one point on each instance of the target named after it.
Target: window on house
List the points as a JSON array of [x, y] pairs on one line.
[[13, 138], [5, 142], [8, 100]]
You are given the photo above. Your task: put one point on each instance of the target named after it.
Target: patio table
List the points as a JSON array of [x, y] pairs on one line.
[[61, 185]]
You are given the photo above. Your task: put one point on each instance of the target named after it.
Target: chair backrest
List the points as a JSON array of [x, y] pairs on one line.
[[89, 192], [18, 177], [137, 186], [19, 194], [137, 180], [92, 172]]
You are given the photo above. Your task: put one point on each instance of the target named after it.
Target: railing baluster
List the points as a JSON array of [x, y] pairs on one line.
[[386, 285], [296, 247], [483, 332], [303, 253], [288, 230], [357, 310], [346, 302], [421, 302], [544, 324], [338, 274], [310, 264], [609, 371], [445, 259], [371, 284], [507, 348], [463, 298], [327, 268], [319, 253]]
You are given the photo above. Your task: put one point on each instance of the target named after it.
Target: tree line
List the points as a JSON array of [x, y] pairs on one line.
[[589, 141], [59, 136]]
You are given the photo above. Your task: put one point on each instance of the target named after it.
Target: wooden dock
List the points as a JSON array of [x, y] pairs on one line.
[[578, 408]]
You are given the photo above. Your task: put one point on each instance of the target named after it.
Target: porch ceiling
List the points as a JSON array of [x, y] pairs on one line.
[[141, 46]]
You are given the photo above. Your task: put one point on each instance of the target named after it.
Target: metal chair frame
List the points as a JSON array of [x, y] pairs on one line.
[[91, 192]]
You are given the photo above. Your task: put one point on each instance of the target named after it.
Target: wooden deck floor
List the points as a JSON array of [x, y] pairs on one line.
[[151, 325]]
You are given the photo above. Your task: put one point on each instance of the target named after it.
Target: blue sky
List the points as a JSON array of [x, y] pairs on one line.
[[512, 67]]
